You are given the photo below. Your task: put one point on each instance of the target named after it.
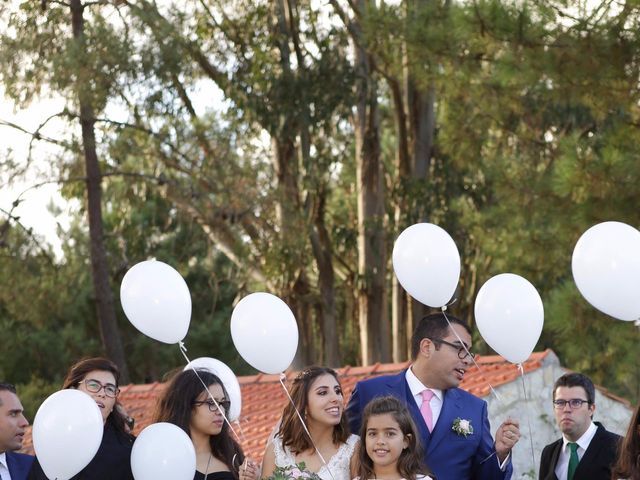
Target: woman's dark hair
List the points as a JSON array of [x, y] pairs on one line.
[[291, 430], [628, 464], [78, 372], [410, 463], [176, 406]]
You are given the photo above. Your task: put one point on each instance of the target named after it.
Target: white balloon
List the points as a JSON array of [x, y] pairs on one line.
[[509, 315], [157, 301], [163, 451], [427, 264], [264, 332], [67, 432], [228, 379], [606, 269]]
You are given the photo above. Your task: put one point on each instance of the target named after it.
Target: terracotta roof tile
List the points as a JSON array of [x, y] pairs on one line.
[[263, 398]]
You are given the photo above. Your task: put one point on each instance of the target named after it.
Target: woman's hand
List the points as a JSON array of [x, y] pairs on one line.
[[249, 470]]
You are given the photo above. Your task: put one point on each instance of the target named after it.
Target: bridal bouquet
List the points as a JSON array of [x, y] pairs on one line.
[[293, 472]]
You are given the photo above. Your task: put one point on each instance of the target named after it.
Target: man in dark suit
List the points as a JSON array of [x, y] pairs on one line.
[[586, 450], [453, 424], [13, 466]]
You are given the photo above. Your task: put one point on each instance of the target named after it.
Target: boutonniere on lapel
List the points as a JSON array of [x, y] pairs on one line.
[[462, 427]]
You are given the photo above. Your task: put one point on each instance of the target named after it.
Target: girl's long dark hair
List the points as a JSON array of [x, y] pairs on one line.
[[410, 463], [291, 430], [176, 406], [78, 372], [628, 464]]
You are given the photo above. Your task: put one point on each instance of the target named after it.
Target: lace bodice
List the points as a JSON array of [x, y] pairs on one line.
[[338, 465]]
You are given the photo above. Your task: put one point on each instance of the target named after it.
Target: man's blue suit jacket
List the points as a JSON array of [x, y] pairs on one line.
[[450, 456], [19, 465]]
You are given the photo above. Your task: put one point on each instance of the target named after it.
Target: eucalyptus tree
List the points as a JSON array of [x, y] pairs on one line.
[[260, 194], [72, 49]]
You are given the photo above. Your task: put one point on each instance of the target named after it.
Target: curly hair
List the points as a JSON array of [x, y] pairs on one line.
[[291, 430]]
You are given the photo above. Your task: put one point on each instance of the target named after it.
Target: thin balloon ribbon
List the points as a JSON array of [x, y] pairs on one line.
[[304, 425], [183, 350], [493, 390], [239, 425], [526, 410]]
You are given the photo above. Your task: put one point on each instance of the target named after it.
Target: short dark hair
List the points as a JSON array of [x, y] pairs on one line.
[[434, 326], [577, 380], [7, 387]]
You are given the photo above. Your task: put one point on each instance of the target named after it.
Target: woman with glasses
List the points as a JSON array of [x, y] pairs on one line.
[[327, 449], [98, 378], [188, 405]]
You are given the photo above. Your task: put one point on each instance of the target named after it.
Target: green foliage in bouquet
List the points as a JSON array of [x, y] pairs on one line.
[[290, 472]]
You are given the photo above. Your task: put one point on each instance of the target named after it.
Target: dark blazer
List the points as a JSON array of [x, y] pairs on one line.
[[449, 455], [19, 465], [596, 462]]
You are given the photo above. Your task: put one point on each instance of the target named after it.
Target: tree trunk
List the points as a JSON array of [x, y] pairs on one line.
[[109, 332], [314, 204], [372, 265], [322, 251]]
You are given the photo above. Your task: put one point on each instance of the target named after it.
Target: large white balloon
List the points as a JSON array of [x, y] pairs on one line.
[[228, 379], [606, 269], [157, 301], [264, 332], [67, 432], [427, 264], [163, 451], [509, 315]]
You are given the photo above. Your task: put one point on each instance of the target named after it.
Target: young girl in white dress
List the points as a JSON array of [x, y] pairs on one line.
[[390, 446], [317, 394]]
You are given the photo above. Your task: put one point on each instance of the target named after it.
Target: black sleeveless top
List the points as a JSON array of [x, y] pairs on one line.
[[214, 476]]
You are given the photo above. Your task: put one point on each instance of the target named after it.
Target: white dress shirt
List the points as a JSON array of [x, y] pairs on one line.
[[562, 467], [417, 388], [4, 468]]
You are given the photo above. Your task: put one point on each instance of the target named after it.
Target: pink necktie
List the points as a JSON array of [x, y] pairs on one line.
[[425, 408]]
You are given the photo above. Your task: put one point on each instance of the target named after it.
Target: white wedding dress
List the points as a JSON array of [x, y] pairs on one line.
[[337, 467]]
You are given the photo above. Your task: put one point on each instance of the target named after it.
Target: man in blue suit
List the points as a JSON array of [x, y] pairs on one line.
[[13, 466], [453, 424]]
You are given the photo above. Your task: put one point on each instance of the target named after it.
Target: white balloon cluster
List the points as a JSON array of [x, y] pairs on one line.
[[156, 299], [508, 308]]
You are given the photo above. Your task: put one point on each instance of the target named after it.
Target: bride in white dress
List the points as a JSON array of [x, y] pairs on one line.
[[317, 394]]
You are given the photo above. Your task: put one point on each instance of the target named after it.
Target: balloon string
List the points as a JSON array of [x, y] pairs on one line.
[[183, 350], [526, 410], [239, 425], [466, 349], [304, 425]]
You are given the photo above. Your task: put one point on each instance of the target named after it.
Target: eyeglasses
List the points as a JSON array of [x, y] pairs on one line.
[[94, 386], [574, 403], [225, 404], [462, 350]]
